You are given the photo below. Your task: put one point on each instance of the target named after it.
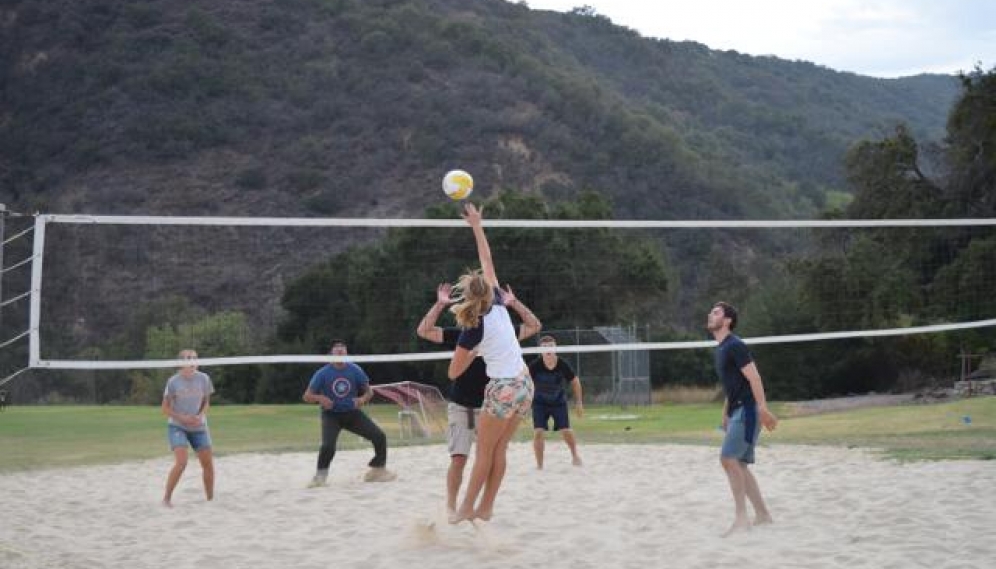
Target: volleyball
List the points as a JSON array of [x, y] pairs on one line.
[[457, 184]]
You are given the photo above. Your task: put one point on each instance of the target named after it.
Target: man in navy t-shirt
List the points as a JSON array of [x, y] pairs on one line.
[[467, 390], [341, 388], [551, 375], [745, 411]]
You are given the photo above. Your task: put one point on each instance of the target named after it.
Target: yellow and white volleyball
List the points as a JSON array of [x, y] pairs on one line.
[[457, 184]]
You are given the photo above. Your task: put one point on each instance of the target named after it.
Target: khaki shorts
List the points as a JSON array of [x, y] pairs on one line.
[[460, 434]]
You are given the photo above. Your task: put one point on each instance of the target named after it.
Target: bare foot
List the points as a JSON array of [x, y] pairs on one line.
[[483, 515], [461, 515], [576, 461], [738, 527], [167, 503], [763, 519]]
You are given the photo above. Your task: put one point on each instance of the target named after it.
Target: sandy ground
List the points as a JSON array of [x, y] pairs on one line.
[[628, 506]]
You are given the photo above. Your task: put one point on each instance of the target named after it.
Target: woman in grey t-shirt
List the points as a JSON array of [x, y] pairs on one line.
[[186, 401]]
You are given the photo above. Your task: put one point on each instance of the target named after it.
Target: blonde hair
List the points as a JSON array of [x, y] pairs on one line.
[[473, 296]]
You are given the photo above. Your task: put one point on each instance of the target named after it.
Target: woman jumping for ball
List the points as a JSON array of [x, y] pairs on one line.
[[488, 333]]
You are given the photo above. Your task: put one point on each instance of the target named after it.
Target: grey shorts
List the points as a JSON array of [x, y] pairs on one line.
[[735, 444], [460, 434]]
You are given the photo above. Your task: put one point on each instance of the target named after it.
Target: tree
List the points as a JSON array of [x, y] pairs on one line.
[[216, 335], [972, 145], [887, 179], [374, 295], [876, 279]]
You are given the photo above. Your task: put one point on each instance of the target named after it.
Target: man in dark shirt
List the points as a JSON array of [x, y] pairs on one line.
[[467, 391], [341, 388], [745, 411], [551, 375]]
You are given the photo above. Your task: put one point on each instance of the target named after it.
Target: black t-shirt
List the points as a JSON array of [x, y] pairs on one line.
[[550, 383], [730, 357], [468, 389]]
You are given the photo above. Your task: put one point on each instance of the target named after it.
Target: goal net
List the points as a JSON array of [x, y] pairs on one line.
[[421, 408]]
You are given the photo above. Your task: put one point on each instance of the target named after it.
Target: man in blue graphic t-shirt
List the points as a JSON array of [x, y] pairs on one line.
[[341, 388], [745, 411]]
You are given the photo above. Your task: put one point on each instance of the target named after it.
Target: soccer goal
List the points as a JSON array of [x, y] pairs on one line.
[[421, 408]]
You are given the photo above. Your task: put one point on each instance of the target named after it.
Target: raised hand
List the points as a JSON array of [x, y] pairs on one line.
[[508, 298], [472, 214], [443, 292]]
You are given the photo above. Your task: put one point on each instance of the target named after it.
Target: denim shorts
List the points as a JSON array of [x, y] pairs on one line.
[[735, 444], [180, 437]]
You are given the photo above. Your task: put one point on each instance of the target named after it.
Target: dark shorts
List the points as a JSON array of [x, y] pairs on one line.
[[542, 412]]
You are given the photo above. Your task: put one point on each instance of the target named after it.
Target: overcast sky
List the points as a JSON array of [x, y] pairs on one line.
[[882, 38]]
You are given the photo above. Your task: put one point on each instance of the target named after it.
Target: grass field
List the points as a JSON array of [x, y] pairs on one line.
[[63, 436]]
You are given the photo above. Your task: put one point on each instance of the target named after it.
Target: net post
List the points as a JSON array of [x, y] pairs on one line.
[[3, 236], [37, 251]]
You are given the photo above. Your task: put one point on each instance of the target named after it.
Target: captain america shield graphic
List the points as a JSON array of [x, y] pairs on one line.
[[340, 387]]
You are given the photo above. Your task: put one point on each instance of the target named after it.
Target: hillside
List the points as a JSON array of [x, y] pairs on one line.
[[356, 108], [296, 106]]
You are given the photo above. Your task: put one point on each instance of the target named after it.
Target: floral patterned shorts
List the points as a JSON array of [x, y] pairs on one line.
[[506, 396]]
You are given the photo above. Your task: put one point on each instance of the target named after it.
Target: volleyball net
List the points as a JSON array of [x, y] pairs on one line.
[[128, 292]]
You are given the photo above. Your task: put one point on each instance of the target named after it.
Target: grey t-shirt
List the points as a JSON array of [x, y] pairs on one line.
[[187, 395]]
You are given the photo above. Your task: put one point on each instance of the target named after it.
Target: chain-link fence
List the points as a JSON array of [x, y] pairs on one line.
[[621, 377]]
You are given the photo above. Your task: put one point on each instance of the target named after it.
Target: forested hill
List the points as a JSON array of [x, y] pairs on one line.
[[356, 108]]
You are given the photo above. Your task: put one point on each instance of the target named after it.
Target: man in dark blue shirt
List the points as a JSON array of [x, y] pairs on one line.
[[551, 375], [341, 388], [467, 391], [745, 411]]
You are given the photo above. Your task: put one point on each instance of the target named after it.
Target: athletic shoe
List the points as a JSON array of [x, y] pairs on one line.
[[318, 482]]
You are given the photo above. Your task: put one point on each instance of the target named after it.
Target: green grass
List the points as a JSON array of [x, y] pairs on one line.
[[913, 432], [63, 436]]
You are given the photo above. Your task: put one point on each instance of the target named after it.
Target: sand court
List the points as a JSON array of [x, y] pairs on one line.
[[628, 506]]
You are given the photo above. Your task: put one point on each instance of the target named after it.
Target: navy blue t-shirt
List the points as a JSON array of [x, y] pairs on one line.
[[468, 388], [731, 356], [550, 383], [340, 385]]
